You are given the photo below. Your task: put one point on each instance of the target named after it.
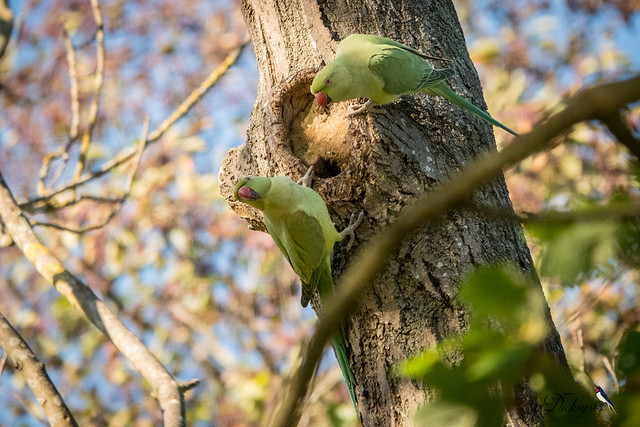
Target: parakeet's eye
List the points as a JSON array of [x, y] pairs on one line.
[[328, 82]]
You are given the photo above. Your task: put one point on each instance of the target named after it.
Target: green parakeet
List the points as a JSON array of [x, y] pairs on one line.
[[298, 221], [382, 70]]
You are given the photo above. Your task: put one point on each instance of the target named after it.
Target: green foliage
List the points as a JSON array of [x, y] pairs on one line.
[[475, 375], [575, 250], [572, 251]]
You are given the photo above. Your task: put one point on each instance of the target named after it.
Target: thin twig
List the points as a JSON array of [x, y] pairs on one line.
[[35, 374], [119, 202], [77, 200], [589, 104], [2, 363], [97, 89], [127, 153], [592, 298], [75, 120], [73, 89], [612, 371], [580, 340], [195, 96]]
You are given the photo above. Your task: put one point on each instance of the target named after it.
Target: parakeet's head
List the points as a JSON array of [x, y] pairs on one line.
[[331, 84], [252, 190]]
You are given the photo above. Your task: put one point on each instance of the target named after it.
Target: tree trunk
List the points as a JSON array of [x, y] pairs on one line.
[[379, 163]]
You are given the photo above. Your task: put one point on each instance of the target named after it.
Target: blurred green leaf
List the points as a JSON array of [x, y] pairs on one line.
[[628, 360], [494, 292], [446, 414], [420, 365], [572, 251], [499, 363]]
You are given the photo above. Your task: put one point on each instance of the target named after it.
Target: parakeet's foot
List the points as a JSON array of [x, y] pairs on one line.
[[356, 109], [305, 181], [349, 230]]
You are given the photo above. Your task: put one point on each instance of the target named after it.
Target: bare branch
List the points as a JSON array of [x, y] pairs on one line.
[[592, 103], [611, 370], [35, 374], [2, 364], [75, 119], [5, 238], [127, 153], [166, 389], [197, 94], [6, 26], [583, 368], [73, 79], [618, 211], [119, 202], [592, 298], [77, 200], [188, 385], [97, 88]]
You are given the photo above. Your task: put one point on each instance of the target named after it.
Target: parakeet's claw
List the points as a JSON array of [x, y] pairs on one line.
[[305, 181], [356, 109], [350, 229]]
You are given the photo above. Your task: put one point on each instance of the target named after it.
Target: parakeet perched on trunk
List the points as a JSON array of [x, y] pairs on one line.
[[382, 70], [298, 220]]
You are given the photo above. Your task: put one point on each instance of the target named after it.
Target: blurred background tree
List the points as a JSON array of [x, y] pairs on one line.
[[214, 301]]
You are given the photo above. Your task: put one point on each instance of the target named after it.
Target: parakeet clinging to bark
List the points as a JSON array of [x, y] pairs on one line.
[[382, 70], [298, 221]]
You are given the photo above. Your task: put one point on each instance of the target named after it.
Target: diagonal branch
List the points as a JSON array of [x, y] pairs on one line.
[[590, 104], [35, 374], [168, 392]]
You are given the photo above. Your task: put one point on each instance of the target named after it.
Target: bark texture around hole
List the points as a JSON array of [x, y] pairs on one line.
[[380, 164]]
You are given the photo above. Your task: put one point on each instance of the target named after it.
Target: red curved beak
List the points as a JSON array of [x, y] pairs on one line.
[[322, 99], [248, 193]]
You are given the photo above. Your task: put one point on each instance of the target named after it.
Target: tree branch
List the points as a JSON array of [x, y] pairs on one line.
[[75, 119], [35, 374], [620, 130], [127, 153], [6, 26], [119, 202], [97, 88], [166, 389], [616, 211], [590, 104]]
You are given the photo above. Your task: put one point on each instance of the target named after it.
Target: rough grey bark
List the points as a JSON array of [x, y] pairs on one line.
[[381, 163]]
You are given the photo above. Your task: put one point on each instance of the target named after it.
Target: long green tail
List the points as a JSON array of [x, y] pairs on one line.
[[321, 276], [441, 89], [340, 349]]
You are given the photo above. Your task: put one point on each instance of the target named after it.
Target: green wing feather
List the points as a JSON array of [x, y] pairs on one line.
[[403, 71], [302, 243]]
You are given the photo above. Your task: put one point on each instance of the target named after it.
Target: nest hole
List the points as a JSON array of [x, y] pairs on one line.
[[326, 168], [317, 137]]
